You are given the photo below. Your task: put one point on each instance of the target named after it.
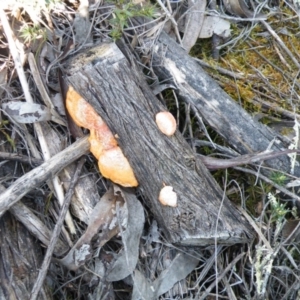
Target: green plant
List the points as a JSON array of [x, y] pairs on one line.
[[279, 178], [9, 139], [51, 3], [32, 33], [278, 211], [124, 10]]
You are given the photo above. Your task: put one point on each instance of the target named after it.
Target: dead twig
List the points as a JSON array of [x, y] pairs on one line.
[[169, 15], [218, 163], [40, 174], [43, 271], [281, 43], [39, 83], [220, 277], [21, 158], [266, 179], [23, 214], [21, 74]]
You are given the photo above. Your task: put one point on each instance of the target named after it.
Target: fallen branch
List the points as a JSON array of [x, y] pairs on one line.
[[39, 175], [116, 89]]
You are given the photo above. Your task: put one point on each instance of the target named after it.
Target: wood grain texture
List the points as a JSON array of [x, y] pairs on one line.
[[116, 89], [222, 113], [20, 260]]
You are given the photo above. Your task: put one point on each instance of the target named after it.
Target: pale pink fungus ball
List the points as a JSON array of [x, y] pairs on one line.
[[167, 196], [166, 123]]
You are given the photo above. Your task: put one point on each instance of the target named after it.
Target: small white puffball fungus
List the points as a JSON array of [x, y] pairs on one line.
[[166, 122], [167, 196]]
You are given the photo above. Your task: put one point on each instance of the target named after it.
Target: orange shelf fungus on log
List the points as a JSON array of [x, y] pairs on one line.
[[111, 160], [166, 123]]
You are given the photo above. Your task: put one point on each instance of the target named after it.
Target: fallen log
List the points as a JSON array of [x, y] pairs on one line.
[[242, 132], [114, 86]]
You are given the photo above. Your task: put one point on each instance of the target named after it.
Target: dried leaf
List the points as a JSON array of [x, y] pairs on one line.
[[142, 289], [180, 267], [56, 140], [127, 259], [288, 228], [85, 195], [153, 235], [103, 219], [82, 24], [3, 75], [193, 23], [214, 25], [25, 112], [59, 104], [294, 145], [104, 290]]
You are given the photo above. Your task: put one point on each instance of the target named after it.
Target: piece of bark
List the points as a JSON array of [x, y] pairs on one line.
[[222, 113], [116, 89], [20, 259]]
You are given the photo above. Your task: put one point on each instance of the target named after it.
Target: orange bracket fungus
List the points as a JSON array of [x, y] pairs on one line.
[[166, 122], [111, 160], [167, 196]]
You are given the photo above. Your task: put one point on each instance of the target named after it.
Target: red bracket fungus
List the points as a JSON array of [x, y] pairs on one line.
[[167, 196], [166, 123], [111, 160]]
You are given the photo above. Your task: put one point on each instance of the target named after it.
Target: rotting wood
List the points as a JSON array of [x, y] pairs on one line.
[[20, 258], [222, 113], [116, 89], [34, 225]]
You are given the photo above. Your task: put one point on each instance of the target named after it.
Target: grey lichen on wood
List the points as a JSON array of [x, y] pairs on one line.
[[113, 84]]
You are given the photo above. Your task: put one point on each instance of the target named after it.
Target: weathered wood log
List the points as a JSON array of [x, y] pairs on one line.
[[20, 259], [115, 87], [245, 134]]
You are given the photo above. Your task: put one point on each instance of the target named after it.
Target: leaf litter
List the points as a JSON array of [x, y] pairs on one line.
[[117, 226]]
